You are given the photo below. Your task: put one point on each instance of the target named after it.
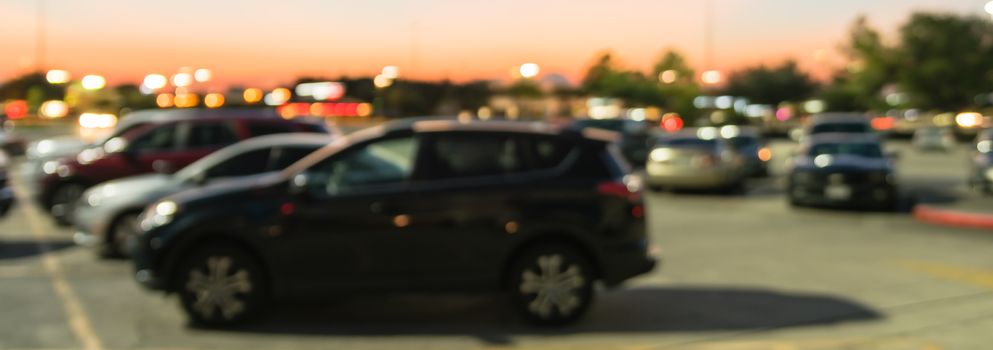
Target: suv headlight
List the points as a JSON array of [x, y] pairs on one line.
[[158, 215]]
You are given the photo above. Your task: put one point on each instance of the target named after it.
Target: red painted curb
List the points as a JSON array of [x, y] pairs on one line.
[[944, 217]]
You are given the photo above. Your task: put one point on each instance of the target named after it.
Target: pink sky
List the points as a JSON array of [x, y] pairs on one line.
[[265, 43]]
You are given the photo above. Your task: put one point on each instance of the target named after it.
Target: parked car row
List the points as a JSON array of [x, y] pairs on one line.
[[149, 141], [107, 214]]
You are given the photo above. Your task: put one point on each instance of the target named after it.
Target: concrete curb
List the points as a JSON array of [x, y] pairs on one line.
[[945, 217]]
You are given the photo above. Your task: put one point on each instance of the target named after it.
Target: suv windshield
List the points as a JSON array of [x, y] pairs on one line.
[[867, 150], [744, 141], [688, 143], [840, 128]]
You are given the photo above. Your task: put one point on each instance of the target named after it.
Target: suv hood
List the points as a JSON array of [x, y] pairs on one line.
[[225, 187], [136, 190], [844, 162]]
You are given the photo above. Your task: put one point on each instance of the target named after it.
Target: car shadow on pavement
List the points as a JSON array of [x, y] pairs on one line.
[[24, 249], [490, 319]]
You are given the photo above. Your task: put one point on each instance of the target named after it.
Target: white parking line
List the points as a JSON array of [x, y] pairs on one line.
[[75, 313]]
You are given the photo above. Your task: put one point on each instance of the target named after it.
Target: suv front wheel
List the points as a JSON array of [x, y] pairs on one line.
[[551, 284], [220, 285], [63, 202]]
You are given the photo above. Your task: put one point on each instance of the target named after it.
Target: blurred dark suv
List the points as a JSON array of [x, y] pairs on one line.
[[537, 212], [164, 142]]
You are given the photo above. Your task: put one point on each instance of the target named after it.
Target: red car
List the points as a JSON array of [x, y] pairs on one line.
[[157, 141]]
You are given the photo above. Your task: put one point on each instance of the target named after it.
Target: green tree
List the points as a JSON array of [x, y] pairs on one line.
[[945, 60], [871, 67], [677, 82], [605, 79], [32, 87], [771, 85]]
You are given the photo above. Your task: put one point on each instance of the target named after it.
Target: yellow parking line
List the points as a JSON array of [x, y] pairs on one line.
[[976, 277], [75, 313]]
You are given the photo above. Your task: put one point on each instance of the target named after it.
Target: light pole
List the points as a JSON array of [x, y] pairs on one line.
[[383, 81], [40, 38], [711, 76]]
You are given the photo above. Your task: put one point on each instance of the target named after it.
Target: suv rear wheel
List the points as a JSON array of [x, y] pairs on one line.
[[220, 285], [551, 284]]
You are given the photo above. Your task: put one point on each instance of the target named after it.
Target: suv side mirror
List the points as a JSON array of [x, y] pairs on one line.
[[298, 184]]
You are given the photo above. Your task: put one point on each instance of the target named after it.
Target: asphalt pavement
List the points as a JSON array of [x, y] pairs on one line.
[[739, 272]]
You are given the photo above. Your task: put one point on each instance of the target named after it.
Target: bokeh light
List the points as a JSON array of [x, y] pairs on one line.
[[93, 82], [669, 76], [57, 76], [252, 95], [279, 96], [213, 100], [672, 122], [363, 110], [391, 72], [182, 79], [97, 120], [202, 75], [711, 77], [186, 100], [969, 119], [381, 81], [155, 81], [164, 100], [530, 70], [54, 109]]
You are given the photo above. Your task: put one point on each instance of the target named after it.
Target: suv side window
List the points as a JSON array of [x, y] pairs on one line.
[[160, 139], [548, 152], [369, 166], [283, 157], [211, 134], [251, 162], [473, 155], [268, 128]]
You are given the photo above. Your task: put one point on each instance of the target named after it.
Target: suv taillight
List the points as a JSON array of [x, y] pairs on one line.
[[628, 188]]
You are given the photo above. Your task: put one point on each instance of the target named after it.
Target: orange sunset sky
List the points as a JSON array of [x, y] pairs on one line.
[[265, 43]]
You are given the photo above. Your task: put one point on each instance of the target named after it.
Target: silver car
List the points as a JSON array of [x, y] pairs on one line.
[[695, 159], [106, 214], [934, 139]]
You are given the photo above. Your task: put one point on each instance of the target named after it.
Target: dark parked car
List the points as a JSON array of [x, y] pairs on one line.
[[537, 212], [6, 192], [749, 144], [164, 143], [981, 174], [636, 136], [842, 170], [107, 214]]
